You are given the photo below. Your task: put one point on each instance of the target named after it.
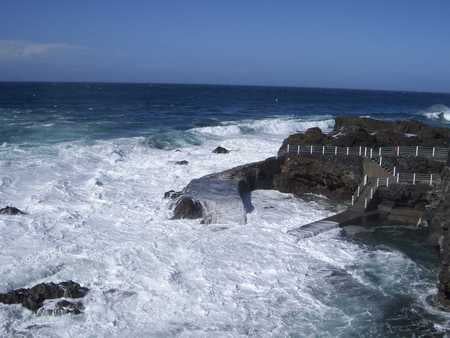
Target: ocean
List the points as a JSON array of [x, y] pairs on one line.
[[90, 163]]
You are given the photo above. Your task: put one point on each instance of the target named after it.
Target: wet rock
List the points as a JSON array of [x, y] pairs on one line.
[[221, 150], [187, 207], [62, 307], [172, 194], [11, 211], [183, 162], [33, 298]]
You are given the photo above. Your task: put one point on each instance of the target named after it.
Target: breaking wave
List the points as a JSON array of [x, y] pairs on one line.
[[273, 126], [437, 112]]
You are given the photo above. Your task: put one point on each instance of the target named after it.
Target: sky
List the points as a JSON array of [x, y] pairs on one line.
[[392, 45]]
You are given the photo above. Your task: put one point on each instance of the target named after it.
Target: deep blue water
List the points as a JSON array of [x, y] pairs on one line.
[[54, 112]]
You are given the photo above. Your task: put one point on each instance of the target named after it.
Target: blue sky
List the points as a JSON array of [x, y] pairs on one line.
[[396, 44]]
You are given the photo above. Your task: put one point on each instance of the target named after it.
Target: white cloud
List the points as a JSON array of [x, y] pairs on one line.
[[18, 49]]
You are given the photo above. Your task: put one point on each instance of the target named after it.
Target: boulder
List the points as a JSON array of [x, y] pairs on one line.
[[11, 211], [221, 150], [33, 298], [183, 162]]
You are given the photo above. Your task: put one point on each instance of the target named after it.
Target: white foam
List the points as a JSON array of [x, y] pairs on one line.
[[96, 216], [274, 126], [437, 112]]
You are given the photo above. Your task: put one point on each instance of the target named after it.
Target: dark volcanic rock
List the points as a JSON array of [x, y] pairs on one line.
[[11, 211], [411, 196], [333, 178], [355, 131], [187, 207], [34, 297], [394, 133], [221, 150], [183, 162]]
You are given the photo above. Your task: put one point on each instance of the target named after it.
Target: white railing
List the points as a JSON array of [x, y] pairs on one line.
[[399, 178], [438, 153]]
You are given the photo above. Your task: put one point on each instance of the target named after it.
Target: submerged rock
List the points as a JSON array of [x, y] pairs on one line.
[[221, 150], [11, 211], [183, 162], [33, 298]]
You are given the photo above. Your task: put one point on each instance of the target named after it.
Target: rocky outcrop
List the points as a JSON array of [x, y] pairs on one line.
[[438, 218], [11, 211], [355, 131], [226, 196], [34, 298]]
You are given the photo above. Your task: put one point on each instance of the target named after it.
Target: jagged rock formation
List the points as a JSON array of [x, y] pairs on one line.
[[355, 131], [34, 298]]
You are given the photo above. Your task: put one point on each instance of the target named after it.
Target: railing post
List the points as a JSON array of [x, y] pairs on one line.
[[298, 150], [398, 177], [323, 150], [335, 151], [358, 191], [353, 199], [378, 182], [379, 151], [431, 179], [311, 150], [371, 152], [365, 203], [398, 151], [288, 148], [433, 151], [381, 159], [365, 180], [359, 150], [395, 169], [371, 193], [365, 151], [417, 151], [414, 178], [347, 151], [387, 182]]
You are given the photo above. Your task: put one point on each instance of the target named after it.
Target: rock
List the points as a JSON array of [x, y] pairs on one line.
[[172, 194], [221, 150], [183, 162], [187, 207], [34, 298], [226, 196], [61, 307], [394, 132], [335, 179], [11, 211]]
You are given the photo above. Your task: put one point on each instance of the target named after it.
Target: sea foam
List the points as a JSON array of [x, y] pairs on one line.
[[97, 216]]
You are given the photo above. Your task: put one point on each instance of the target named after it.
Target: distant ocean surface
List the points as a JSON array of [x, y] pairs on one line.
[[34, 113], [90, 163]]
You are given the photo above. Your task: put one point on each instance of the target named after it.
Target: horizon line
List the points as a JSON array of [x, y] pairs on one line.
[[225, 85]]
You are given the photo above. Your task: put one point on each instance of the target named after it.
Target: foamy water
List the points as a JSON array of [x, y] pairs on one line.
[[97, 216]]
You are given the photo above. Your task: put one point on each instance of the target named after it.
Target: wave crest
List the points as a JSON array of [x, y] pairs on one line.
[[273, 126], [437, 112]]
